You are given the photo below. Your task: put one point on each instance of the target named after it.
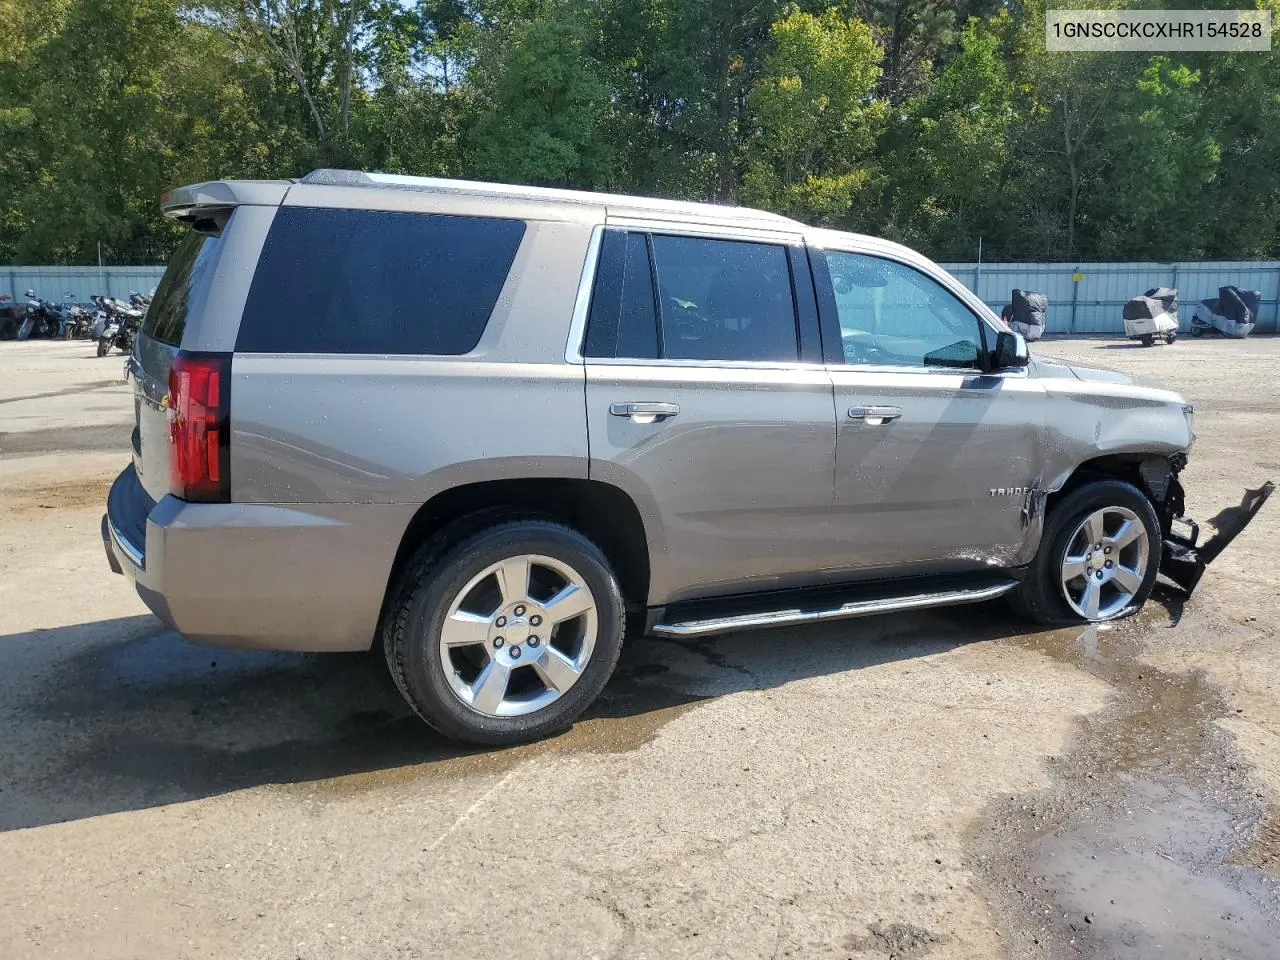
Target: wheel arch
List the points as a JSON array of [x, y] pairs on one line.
[[603, 513], [1151, 473]]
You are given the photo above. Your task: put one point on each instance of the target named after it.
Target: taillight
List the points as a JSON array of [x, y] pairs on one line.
[[200, 426]]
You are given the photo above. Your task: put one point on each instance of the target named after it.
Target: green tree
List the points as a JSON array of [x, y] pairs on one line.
[[815, 123], [682, 70], [326, 48], [947, 153], [1161, 154], [964, 128], [125, 98], [546, 108]]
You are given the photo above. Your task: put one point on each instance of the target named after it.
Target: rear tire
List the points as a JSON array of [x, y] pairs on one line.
[[1170, 338], [482, 657], [1197, 332], [1064, 588], [1147, 340], [103, 347]]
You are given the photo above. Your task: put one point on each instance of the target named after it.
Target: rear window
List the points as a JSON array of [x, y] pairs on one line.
[[167, 316], [366, 281]]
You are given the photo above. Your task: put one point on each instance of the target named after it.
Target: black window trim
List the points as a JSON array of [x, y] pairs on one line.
[[808, 335], [829, 320]]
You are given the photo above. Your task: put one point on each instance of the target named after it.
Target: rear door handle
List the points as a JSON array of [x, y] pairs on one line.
[[874, 416], [644, 412]]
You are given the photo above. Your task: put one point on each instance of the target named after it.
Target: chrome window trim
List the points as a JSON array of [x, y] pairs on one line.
[[708, 231], [968, 372], [582, 302], [722, 364], [912, 371]]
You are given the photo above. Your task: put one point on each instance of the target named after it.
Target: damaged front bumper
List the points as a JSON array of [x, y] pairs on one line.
[[1182, 558]]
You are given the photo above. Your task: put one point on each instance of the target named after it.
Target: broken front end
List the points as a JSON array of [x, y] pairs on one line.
[[1183, 558]]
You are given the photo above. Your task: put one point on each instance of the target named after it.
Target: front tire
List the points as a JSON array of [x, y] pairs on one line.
[[1098, 558], [103, 347], [1147, 340], [507, 634]]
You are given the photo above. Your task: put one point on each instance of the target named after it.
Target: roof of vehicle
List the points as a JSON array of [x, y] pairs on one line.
[[181, 201]]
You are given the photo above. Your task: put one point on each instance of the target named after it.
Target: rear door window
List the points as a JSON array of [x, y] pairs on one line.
[[623, 320], [724, 299], [167, 316], [376, 282]]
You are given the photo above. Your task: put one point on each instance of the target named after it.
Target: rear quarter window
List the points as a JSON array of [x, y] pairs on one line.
[[366, 281]]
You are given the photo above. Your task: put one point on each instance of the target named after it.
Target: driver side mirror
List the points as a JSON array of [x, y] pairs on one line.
[[1011, 351]]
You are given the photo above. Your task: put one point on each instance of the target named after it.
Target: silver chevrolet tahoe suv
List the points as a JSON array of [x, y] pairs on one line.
[[490, 429]]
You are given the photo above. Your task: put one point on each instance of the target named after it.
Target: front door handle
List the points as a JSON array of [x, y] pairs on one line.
[[644, 412], [874, 416]]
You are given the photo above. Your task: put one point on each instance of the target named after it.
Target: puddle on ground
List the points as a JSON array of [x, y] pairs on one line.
[[630, 712], [594, 734], [138, 718], [1152, 842]]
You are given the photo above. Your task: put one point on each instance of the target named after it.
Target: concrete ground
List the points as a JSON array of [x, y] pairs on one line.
[[946, 784]]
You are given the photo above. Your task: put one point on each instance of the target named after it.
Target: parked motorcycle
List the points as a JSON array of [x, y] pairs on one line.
[[121, 327], [10, 317], [42, 319], [1027, 314], [1152, 316], [1232, 313], [78, 323]]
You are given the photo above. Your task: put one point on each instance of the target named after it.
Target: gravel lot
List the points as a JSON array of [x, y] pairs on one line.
[[943, 784]]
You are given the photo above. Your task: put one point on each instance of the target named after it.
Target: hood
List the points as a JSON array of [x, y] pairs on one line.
[[1054, 368], [1105, 376]]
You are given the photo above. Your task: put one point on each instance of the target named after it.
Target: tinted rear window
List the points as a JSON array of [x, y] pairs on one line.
[[167, 316], [365, 281]]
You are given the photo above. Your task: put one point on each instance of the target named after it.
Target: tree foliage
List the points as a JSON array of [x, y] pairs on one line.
[[936, 123], [815, 123]]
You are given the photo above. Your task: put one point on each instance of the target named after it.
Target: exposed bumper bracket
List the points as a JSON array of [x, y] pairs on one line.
[[1183, 562]]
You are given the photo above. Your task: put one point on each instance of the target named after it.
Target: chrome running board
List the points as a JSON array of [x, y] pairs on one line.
[[847, 611]]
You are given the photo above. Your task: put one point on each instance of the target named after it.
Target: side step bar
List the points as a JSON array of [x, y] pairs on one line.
[[846, 611]]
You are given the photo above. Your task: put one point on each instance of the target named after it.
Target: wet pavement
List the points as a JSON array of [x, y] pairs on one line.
[[946, 784], [1151, 842]]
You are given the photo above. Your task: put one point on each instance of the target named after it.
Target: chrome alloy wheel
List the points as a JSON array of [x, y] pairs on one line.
[[518, 636], [1105, 563]]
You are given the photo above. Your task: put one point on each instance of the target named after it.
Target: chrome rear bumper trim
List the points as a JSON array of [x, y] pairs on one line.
[[858, 608], [126, 545]]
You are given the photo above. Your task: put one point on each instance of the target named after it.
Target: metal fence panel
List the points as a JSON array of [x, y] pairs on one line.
[[1093, 303], [1089, 305], [77, 283]]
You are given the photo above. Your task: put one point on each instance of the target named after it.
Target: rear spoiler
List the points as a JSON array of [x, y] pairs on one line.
[[206, 206]]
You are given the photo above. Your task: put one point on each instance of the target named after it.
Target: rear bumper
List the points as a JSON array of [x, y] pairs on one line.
[[305, 577]]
